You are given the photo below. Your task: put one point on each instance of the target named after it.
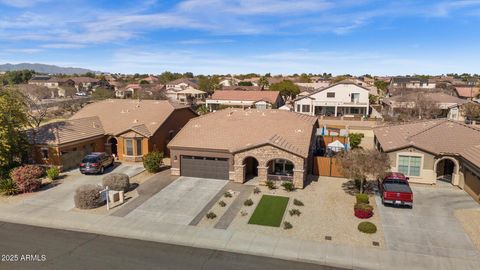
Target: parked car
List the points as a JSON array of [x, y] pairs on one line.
[[96, 163], [81, 94], [395, 189]]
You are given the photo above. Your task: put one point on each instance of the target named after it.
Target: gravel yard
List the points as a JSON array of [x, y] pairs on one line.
[[218, 210], [327, 211], [470, 220]]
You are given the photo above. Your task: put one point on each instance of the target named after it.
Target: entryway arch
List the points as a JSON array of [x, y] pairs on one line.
[[446, 169], [251, 167]]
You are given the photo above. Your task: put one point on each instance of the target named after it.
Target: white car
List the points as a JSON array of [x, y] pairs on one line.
[[81, 94]]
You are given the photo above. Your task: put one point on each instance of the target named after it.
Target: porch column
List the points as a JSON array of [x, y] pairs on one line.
[[239, 173], [336, 108], [262, 175], [298, 178]]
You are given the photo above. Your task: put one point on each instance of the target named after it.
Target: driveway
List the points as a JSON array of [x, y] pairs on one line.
[[179, 202], [61, 196], [429, 228]]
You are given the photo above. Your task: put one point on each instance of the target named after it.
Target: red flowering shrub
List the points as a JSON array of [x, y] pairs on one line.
[[27, 177], [363, 210]]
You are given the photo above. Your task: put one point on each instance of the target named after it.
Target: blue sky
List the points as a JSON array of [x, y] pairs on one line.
[[239, 36]]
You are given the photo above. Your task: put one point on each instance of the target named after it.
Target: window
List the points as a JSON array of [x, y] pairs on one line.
[[139, 147], [305, 108], [44, 152], [354, 110], [129, 147], [409, 165], [355, 97], [298, 108], [330, 94]]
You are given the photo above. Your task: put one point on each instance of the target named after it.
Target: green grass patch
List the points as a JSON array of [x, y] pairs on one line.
[[269, 211]]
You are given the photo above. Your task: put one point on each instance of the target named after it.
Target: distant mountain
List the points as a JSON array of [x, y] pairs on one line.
[[42, 68]]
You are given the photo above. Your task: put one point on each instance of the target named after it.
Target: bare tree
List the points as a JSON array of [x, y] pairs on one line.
[[359, 164], [471, 111], [32, 96]]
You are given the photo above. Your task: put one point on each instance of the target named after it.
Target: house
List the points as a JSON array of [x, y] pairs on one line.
[[442, 101], [226, 82], [434, 150], [128, 129], [468, 92], [128, 91], [244, 99], [84, 84], [341, 99], [39, 80], [239, 145], [184, 91], [411, 83], [150, 79]]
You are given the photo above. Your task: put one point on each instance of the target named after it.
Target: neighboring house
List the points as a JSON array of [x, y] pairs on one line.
[[84, 84], [128, 91], [241, 88], [150, 79], [129, 129], [467, 92], [434, 150], [65, 143], [184, 91], [244, 99], [341, 99], [411, 83], [39, 80], [238, 145], [226, 82], [444, 102], [313, 85]]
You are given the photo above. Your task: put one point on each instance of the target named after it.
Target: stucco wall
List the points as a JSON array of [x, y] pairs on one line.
[[427, 174]]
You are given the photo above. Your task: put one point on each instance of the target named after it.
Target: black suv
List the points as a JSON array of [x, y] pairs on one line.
[[96, 163]]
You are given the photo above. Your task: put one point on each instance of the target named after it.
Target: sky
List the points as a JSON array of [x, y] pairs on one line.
[[242, 36]]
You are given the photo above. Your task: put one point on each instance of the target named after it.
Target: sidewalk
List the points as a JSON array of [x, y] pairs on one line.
[[239, 242]]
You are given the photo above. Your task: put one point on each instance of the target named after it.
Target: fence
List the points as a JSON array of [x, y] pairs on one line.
[[327, 166]]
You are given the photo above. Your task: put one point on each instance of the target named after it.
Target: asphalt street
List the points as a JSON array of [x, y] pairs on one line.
[[28, 247]]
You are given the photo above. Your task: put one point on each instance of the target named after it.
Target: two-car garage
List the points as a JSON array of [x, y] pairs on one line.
[[204, 167]]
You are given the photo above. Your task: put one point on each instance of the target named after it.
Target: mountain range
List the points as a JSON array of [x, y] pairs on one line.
[[42, 68]]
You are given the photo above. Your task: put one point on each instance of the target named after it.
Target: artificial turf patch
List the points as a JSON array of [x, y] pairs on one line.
[[269, 211]]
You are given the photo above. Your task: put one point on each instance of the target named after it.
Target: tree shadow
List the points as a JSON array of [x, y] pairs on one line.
[[351, 188]]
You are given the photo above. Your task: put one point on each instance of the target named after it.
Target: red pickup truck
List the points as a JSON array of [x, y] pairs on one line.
[[394, 189]]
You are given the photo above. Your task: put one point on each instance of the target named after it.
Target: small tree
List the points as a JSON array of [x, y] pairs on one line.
[[286, 88], [355, 139], [359, 164], [263, 82], [471, 111]]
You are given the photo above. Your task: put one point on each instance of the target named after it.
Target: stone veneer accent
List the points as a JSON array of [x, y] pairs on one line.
[[263, 155]]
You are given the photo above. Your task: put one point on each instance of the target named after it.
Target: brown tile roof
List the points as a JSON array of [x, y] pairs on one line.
[[438, 97], [234, 130], [190, 81], [68, 131], [121, 115], [269, 96], [84, 80], [435, 136], [241, 88], [467, 92]]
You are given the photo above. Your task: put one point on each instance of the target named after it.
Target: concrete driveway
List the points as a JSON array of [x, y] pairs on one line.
[[61, 196], [429, 228], [180, 202]]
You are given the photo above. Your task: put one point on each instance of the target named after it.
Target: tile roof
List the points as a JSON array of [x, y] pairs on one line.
[[435, 136], [235, 130], [437, 97], [269, 96], [121, 115], [67, 131], [467, 91], [241, 88]]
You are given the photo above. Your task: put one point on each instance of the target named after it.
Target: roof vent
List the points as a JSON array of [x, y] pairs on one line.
[[298, 131], [135, 121], [196, 126]]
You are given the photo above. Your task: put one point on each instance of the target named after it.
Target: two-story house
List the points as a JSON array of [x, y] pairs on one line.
[[341, 99], [406, 83], [184, 91]]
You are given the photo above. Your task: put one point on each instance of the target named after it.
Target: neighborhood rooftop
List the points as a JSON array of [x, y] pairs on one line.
[[121, 115], [234, 130], [269, 96], [434, 136]]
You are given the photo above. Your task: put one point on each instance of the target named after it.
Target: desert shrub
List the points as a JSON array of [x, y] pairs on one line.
[[8, 187], [363, 210], [367, 227], [211, 215], [243, 213], [287, 225], [288, 186], [222, 203], [116, 181], [295, 212], [362, 198], [153, 161], [88, 197], [256, 190], [248, 202], [227, 195], [271, 185], [53, 173], [27, 178], [297, 202]]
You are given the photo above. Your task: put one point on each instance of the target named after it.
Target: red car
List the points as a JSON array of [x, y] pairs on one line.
[[394, 189]]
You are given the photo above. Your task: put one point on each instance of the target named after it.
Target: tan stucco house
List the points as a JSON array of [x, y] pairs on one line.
[[128, 129], [434, 150], [238, 145]]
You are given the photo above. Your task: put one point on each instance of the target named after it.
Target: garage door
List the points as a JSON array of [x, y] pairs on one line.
[[472, 185], [204, 167]]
